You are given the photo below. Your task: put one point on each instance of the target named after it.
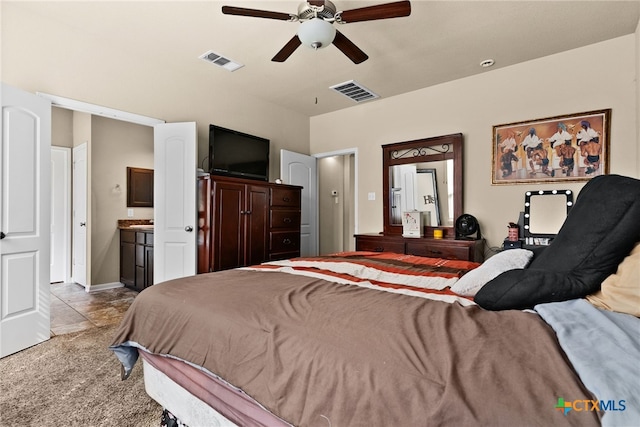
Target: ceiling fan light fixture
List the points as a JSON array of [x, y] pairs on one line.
[[316, 33]]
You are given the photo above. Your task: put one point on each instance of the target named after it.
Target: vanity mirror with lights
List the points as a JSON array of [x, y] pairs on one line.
[[544, 213], [426, 176]]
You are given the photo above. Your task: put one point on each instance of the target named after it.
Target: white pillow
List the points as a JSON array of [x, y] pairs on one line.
[[471, 282]]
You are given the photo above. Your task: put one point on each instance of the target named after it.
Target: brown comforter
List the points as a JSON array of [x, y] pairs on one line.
[[318, 353]]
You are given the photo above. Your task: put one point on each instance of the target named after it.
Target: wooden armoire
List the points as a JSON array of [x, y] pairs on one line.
[[245, 222]]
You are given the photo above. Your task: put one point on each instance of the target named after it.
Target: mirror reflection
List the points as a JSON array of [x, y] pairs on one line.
[[546, 211], [426, 187], [423, 175]]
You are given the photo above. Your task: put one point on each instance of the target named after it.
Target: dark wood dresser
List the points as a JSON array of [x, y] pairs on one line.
[[248, 222], [467, 250]]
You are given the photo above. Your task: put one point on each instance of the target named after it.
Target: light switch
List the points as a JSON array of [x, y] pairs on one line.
[[372, 196], [130, 213]]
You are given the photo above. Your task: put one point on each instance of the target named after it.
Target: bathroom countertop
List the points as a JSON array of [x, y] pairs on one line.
[[135, 224]]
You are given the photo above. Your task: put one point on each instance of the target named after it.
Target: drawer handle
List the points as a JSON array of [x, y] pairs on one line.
[[286, 199], [286, 241], [286, 220], [379, 249], [436, 252]]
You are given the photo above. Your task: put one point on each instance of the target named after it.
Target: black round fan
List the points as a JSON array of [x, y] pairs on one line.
[[467, 225]]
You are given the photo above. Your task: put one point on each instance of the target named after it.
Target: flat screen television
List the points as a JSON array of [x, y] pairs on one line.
[[234, 153]]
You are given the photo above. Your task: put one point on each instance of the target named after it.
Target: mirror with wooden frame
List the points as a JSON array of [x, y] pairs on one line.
[[424, 175], [139, 188]]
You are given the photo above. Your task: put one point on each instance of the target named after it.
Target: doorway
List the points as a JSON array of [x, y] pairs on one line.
[[337, 201], [116, 141], [338, 197], [60, 214]]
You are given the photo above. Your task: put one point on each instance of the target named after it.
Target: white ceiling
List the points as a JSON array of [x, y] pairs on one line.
[[439, 42]]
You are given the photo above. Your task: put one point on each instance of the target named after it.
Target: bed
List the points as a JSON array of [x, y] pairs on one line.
[[385, 339], [356, 339]]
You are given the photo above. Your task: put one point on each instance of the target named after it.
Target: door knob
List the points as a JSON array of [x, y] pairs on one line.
[[2, 235], [83, 224], [188, 229]]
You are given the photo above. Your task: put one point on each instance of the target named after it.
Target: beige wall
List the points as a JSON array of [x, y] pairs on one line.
[[545, 87], [39, 55], [54, 58], [114, 145], [335, 214], [330, 214], [61, 127]]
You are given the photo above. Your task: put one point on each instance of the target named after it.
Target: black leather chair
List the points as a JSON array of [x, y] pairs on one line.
[[600, 230]]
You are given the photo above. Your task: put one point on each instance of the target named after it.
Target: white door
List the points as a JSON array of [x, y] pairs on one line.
[[60, 218], [175, 215], [300, 169], [80, 234], [24, 219]]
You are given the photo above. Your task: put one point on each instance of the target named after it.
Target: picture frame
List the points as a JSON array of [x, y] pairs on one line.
[[567, 148]]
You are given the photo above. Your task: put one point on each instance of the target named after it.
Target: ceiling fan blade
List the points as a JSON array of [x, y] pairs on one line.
[[256, 13], [347, 47], [287, 50], [382, 11]]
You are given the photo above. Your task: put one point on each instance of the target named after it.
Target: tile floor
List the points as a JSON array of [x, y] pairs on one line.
[[73, 309]]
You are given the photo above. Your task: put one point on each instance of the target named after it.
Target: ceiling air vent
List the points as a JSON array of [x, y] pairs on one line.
[[220, 61], [355, 91]]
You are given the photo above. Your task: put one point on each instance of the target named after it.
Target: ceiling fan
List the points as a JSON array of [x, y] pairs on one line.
[[317, 30]]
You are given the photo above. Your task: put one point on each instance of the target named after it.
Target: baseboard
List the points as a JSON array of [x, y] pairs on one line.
[[105, 286]]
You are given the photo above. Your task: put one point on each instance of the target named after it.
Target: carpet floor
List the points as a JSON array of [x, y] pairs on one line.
[[73, 380]]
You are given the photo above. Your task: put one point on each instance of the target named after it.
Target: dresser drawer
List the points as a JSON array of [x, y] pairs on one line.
[[287, 197], [438, 250], [144, 238], [285, 219], [283, 255], [128, 236], [379, 245], [284, 241]]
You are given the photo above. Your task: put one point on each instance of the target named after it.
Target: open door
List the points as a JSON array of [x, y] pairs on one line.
[[80, 266], [175, 213], [60, 214], [300, 169], [25, 167]]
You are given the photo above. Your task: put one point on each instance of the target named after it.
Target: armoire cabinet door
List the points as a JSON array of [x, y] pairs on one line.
[[251, 222], [256, 218], [228, 224]]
